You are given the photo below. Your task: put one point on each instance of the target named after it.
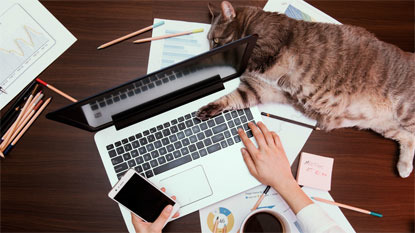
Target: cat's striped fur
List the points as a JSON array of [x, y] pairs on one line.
[[340, 75]]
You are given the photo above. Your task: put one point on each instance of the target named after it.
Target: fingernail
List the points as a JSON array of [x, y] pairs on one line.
[[169, 208], [239, 130], [243, 151]]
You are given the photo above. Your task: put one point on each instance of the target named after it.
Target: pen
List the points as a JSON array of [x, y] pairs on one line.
[[3, 90], [261, 198]]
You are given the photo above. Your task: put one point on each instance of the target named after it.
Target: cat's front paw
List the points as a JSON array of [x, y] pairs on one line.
[[404, 169], [209, 111]]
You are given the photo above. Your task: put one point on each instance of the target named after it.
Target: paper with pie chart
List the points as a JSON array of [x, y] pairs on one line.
[[31, 39]]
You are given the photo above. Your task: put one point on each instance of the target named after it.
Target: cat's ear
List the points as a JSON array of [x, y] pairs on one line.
[[227, 10], [214, 10]]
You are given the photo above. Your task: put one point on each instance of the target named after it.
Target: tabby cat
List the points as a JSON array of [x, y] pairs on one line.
[[340, 75]]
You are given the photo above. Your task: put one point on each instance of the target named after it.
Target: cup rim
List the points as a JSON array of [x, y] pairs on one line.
[[266, 210]]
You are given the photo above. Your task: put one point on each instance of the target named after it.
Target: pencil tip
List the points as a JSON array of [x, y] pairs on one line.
[[99, 48]]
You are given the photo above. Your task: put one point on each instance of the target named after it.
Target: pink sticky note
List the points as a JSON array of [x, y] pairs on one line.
[[314, 171]]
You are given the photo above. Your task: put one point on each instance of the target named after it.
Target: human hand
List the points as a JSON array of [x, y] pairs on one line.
[[147, 227], [268, 163]]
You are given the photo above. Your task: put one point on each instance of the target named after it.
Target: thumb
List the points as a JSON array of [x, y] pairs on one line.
[[162, 219]]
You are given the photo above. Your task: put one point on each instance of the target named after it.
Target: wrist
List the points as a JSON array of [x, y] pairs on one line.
[[287, 187]]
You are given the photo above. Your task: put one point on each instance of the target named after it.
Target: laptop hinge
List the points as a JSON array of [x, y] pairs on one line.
[[168, 102]]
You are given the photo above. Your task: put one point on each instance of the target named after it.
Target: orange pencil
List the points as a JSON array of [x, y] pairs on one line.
[[56, 90], [168, 36], [130, 35], [348, 207]]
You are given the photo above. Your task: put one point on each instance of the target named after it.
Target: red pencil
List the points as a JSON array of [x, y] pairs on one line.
[[56, 90]]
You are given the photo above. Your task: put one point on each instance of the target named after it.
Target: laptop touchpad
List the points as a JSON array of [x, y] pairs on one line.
[[188, 186]]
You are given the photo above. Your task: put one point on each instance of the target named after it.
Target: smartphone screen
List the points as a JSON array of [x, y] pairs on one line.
[[143, 198]]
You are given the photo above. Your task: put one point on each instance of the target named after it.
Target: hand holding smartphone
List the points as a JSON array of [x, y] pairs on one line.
[[141, 197]]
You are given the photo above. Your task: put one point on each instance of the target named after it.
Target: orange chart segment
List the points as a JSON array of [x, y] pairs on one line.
[[225, 217]]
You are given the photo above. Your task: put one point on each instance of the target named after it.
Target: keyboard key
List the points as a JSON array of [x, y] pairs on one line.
[[167, 124], [180, 135], [147, 157], [203, 126], [120, 150], [219, 120], [165, 141], [112, 153], [139, 160], [234, 131], [152, 130], [128, 147], [124, 141], [199, 145], [126, 156], [219, 128], [245, 126], [139, 168], [161, 160], [166, 132], [188, 132], [228, 116], [149, 174], [188, 116], [157, 144], [181, 126], [231, 124], [193, 139], [170, 148], [208, 133], [117, 160], [177, 145], [237, 139], [211, 123], [150, 147], [155, 154], [200, 136], [173, 122], [174, 129], [181, 119], [196, 121], [248, 114], [158, 135], [142, 150], [119, 175], [207, 142], [139, 135], [213, 148], [135, 144], [223, 144], [218, 137], [243, 119], [234, 114], [184, 151], [237, 121], [189, 123], [202, 152], [240, 112], [131, 163], [143, 141], [192, 148], [227, 134], [145, 133], [159, 127], [177, 154], [110, 147], [169, 157], [230, 141], [132, 138], [154, 163], [162, 151], [195, 155], [146, 166], [185, 142], [196, 129], [121, 167], [151, 138], [173, 138], [171, 165], [249, 134], [193, 114]]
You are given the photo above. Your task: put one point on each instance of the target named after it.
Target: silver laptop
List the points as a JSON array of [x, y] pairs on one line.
[[150, 124]]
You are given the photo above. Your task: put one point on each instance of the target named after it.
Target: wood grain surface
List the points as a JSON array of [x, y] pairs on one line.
[[54, 180]]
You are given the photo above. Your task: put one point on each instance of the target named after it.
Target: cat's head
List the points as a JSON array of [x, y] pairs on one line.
[[226, 24]]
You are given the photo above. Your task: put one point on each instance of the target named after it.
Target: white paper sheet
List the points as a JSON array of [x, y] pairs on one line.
[[31, 39]]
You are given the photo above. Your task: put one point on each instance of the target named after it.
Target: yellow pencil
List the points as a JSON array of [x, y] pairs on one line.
[[168, 36], [347, 207], [131, 35]]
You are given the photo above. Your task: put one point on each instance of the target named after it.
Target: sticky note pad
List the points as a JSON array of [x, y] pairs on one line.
[[314, 171]]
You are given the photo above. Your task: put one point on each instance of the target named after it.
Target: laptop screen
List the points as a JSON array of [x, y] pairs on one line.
[[96, 112]]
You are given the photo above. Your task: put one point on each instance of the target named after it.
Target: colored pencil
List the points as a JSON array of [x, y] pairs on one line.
[[290, 121], [27, 126], [224, 229], [130, 35], [348, 207], [261, 198], [215, 225], [12, 113], [56, 90], [168, 36]]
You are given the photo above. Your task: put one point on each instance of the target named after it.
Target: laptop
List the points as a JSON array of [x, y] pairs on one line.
[[150, 124]]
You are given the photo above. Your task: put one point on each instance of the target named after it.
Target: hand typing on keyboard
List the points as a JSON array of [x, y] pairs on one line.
[[147, 227]]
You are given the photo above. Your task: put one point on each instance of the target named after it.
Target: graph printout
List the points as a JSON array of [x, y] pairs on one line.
[[31, 38]]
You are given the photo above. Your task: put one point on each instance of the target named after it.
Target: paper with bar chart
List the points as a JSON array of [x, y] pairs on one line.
[[31, 39]]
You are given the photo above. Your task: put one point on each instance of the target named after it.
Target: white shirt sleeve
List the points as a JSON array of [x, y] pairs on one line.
[[313, 219]]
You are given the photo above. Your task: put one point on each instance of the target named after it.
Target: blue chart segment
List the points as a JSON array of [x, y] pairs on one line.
[[23, 41], [177, 49], [295, 13]]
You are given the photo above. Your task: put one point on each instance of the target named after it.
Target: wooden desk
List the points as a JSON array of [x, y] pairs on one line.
[[54, 179]]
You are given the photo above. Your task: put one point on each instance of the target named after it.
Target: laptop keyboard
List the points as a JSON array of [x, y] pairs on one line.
[[177, 142]]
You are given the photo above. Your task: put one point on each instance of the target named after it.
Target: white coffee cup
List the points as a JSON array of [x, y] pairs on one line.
[[274, 221]]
